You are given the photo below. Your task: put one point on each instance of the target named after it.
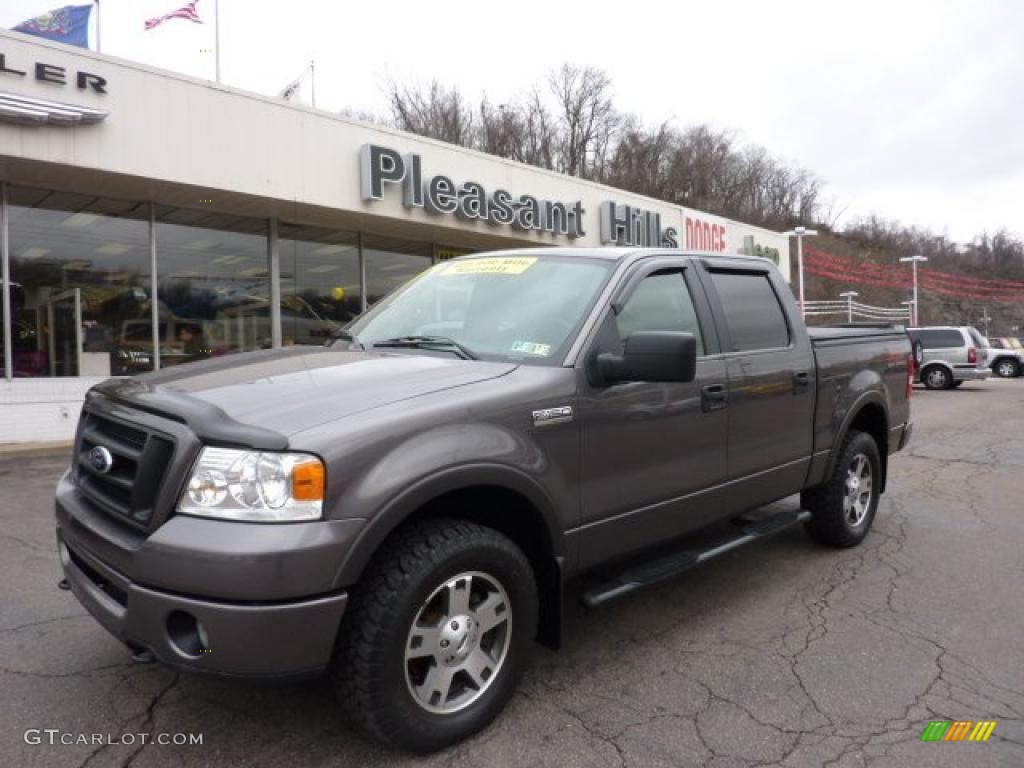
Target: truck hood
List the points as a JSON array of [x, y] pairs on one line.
[[288, 390]]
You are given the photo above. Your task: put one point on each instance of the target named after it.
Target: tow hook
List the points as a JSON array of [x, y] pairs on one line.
[[64, 584]]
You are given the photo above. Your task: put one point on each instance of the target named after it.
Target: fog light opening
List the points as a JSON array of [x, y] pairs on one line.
[[187, 634]]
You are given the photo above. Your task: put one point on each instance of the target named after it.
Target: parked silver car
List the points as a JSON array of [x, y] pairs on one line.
[[950, 355]]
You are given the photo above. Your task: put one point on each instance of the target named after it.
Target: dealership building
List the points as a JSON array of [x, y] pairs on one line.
[[149, 218]]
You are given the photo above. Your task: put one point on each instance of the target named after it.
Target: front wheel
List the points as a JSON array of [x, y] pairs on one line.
[[844, 506], [436, 635]]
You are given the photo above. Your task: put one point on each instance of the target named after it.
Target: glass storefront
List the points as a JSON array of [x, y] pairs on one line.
[[390, 263], [82, 290], [79, 283], [320, 286], [213, 285]]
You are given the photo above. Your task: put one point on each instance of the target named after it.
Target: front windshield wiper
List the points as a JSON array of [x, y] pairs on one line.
[[428, 342]]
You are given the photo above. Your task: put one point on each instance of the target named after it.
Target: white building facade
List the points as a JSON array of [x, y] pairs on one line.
[[149, 219]]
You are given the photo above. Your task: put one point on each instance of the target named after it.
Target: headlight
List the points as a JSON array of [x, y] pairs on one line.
[[255, 486]]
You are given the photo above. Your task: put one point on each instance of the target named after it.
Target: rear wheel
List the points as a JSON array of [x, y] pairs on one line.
[[436, 634], [1007, 369], [843, 507], [936, 377]]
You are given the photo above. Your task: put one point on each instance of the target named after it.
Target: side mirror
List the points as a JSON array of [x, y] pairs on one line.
[[649, 356]]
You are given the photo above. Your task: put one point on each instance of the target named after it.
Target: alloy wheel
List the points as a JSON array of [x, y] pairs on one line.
[[859, 490], [458, 642]]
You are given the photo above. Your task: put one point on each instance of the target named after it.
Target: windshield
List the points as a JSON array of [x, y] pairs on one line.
[[518, 308]]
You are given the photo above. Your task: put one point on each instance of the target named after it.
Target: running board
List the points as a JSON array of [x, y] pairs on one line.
[[669, 566]]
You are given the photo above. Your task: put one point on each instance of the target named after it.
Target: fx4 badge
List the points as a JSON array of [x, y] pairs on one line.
[[546, 416]]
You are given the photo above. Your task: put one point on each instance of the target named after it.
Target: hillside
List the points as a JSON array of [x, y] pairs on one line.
[[958, 285]]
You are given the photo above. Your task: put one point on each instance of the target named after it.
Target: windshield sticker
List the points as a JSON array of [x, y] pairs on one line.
[[531, 348], [508, 265]]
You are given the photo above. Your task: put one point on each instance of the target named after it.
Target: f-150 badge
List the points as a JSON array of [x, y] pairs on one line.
[[546, 416]]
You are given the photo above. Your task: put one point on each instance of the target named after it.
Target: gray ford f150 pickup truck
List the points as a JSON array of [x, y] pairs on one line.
[[403, 506]]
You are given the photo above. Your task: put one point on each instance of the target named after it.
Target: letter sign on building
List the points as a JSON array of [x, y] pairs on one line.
[[469, 201]]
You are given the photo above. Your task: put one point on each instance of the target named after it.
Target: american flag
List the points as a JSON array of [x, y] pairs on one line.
[[185, 12]]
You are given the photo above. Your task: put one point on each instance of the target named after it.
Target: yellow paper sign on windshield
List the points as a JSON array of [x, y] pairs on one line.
[[499, 265]]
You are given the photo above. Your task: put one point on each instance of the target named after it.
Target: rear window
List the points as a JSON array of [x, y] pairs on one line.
[[939, 338], [753, 313], [977, 338]]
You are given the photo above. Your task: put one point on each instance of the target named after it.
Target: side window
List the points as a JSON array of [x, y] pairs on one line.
[[977, 338], [661, 302], [752, 311], [936, 338]]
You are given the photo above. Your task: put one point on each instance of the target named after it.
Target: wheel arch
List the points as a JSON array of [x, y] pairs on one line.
[[936, 364], [496, 496], [868, 414]]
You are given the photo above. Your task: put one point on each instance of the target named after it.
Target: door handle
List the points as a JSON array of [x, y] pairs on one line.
[[801, 382], [713, 397]]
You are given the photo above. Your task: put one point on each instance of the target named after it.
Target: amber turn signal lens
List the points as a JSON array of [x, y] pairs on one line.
[[308, 481]]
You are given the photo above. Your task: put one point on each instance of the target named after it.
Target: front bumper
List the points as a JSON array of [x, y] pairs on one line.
[[228, 598]]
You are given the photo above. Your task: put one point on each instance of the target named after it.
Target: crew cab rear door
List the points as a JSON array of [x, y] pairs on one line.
[[653, 453], [772, 380]]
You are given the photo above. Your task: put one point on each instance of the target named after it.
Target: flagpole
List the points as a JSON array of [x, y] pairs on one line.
[[216, 28], [99, 43], [312, 81]]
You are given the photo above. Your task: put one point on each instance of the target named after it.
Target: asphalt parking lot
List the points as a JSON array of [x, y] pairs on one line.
[[780, 654]]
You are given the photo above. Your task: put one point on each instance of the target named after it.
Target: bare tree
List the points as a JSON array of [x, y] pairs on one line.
[[572, 126], [436, 111], [587, 119]]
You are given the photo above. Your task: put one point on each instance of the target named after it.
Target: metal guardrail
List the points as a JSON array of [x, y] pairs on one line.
[[855, 310]]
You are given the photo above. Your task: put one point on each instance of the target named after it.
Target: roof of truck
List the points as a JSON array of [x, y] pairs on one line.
[[606, 253]]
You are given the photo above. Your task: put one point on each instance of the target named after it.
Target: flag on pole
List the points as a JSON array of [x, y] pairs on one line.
[[185, 12], [69, 24], [290, 90]]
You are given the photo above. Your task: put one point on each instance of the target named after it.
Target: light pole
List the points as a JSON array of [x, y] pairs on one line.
[[913, 263], [848, 295], [911, 310], [800, 233]]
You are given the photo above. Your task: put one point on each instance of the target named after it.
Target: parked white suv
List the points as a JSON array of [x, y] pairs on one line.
[[950, 355], [1005, 360]]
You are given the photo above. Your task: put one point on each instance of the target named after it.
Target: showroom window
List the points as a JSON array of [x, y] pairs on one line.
[[320, 286], [82, 292], [79, 285], [213, 285], [390, 263]]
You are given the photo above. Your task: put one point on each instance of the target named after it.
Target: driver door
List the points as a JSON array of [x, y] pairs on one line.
[[653, 453]]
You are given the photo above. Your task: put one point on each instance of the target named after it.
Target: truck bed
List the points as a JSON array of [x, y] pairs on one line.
[[855, 362]]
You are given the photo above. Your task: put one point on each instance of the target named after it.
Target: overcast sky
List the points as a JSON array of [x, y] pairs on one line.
[[912, 109]]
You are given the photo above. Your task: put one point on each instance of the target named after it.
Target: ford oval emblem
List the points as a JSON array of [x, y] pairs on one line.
[[101, 460]]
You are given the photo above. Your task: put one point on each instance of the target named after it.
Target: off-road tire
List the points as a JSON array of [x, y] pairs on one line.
[[369, 669], [830, 524]]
